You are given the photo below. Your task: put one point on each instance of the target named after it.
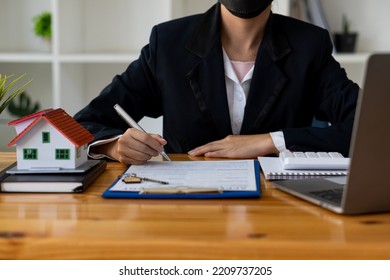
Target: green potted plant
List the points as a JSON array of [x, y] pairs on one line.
[[42, 27], [345, 41], [9, 90]]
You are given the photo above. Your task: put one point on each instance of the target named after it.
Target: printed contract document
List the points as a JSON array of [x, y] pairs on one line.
[[235, 175]]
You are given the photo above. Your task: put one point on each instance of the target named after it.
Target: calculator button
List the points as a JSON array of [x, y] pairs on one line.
[[311, 155], [299, 155], [323, 155], [335, 155]]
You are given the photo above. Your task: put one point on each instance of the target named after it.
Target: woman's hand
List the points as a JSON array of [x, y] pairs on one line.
[[133, 147], [238, 146]]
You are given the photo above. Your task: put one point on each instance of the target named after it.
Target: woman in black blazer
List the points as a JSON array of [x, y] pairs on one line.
[[235, 82]]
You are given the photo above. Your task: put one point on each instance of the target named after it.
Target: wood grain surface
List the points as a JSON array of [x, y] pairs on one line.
[[87, 226]]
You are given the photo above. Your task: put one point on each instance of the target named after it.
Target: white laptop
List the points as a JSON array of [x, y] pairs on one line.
[[366, 189]]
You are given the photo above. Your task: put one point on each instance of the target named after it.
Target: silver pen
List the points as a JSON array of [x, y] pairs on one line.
[[132, 123]]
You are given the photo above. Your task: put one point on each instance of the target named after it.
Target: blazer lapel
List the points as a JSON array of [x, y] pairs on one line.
[[267, 81], [207, 76], [266, 85]]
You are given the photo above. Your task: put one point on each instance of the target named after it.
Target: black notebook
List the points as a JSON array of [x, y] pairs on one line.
[[50, 183]]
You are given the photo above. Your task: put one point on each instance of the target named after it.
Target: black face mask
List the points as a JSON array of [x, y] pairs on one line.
[[246, 8]]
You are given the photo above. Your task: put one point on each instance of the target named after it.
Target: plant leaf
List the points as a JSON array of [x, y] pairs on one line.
[[5, 88]]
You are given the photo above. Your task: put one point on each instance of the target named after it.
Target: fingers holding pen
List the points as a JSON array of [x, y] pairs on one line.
[[137, 147], [137, 141]]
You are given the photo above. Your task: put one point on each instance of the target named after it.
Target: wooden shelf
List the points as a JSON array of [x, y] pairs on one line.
[[98, 58], [352, 58], [26, 57]]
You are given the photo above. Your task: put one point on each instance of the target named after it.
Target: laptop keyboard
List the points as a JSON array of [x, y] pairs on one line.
[[333, 195]]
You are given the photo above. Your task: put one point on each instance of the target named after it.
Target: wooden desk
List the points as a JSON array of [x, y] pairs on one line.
[[87, 226]]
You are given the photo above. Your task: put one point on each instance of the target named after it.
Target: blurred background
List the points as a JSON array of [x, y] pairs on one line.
[[89, 41]]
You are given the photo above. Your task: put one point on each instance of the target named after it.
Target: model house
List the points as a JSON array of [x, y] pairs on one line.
[[50, 139]]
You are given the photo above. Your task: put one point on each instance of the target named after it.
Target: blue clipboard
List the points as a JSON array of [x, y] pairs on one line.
[[213, 195]]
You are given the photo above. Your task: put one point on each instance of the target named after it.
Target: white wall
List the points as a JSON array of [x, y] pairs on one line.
[[368, 17]]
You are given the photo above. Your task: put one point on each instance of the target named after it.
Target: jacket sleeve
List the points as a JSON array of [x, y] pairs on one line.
[[336, 99], [135, 90]]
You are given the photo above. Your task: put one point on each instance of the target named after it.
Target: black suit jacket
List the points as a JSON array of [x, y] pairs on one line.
[[180, 75]]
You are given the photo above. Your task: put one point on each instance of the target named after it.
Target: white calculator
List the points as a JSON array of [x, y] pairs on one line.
[[314, 160]]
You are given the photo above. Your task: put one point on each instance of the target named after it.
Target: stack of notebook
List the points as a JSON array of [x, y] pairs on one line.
[[61, 181]]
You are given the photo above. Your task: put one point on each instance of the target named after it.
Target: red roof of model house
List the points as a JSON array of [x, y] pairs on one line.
[[60, 120]]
